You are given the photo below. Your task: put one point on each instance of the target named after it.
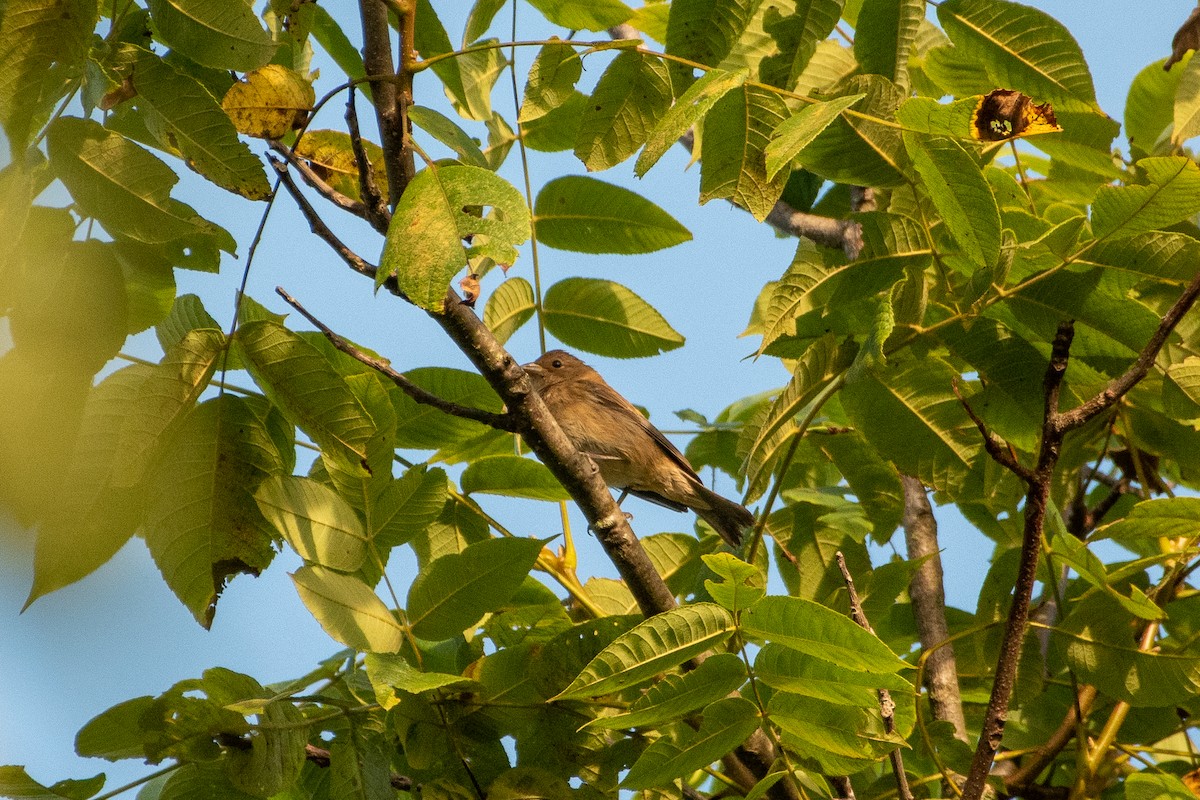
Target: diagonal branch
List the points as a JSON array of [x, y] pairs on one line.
[[374, 204], [1000, 450], [355, 207], [1119, 387], [318, 226], [500, 422]]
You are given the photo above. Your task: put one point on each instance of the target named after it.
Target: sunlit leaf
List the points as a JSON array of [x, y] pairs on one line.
[[585, 215], [224, 34], [348, 610], [269, 102], [660, 642], [606, 318]]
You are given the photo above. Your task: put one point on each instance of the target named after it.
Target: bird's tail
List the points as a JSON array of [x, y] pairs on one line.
[[726, 517]]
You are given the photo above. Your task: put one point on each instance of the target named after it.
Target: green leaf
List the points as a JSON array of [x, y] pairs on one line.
[[628, 101], [706, 30], [16, 783], [202, 524], [726, 724], [1171, 194], [508, 308], [92, 519], [446, 131], [1164, 256], [819, 632], [587, 15], [858, 149], [223, 34], [873, 481], [605, 318], [559, 129], [1166, 517], [319, 525], [551, 81], [836, 738], [1066, 548], [424, 247], [659, 643], [424, 427], [123, 186], [676, 695], [348, 610], [43, 45], [692, 105], [911, 416], [116, 733], [797, 131], [1149, 106], [584, 215], [512, 476], [763, 438], [408, 506], [392, 677], [798, 36], [483, 12], [165, 397], [184, 117], [743, 585], [733, 150], [1095, 640], [300, 381], [453, 592], [820, 278], [333, 40], [884, 37], [1156, 786], [1020, 48], [952, 179], [789, 670]]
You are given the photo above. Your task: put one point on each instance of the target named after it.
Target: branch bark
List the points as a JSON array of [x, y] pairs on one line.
[[929, 607]]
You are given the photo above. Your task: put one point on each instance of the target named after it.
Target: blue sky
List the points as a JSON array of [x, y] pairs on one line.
[[121, 633]]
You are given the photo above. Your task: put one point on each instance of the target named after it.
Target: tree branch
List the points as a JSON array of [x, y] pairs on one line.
[[355, 207], [1119, 387], [374, 204], [501, 422], [887, 706], [1036, 501], [318, 226], [391, 111], [929, 607], [1000, 450]]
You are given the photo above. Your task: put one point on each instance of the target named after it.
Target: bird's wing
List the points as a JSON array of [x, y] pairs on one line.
[[606, 394]]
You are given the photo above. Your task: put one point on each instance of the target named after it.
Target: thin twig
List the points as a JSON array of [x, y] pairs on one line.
[[355, 207], [502, 422], [318, 226], [374, 203], [1118, 388], [886, 705], [1000, 450]]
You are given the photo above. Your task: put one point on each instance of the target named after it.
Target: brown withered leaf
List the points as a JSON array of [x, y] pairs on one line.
[[470, 289], [1006, 114], [1185, 39]]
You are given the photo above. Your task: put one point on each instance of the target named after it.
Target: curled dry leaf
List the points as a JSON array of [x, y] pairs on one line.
[[470, 289], [269, 102], [1185, 39]]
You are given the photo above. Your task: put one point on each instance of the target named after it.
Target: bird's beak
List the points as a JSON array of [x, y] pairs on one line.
[[534, 370]]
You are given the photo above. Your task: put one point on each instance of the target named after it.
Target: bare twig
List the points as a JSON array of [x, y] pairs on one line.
[[1118, 388], [500, 422], [886, 704], [929, 607], [376, 207], [355, 207], [1000, 450], [318, 226], [1032, 766]]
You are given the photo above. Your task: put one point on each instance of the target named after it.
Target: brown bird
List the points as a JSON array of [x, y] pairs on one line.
[[632, 454]]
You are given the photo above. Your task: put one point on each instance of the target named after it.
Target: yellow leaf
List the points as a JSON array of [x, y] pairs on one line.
[[269, 102]]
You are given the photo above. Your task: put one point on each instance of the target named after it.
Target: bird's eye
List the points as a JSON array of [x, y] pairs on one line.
[[556, 363]]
